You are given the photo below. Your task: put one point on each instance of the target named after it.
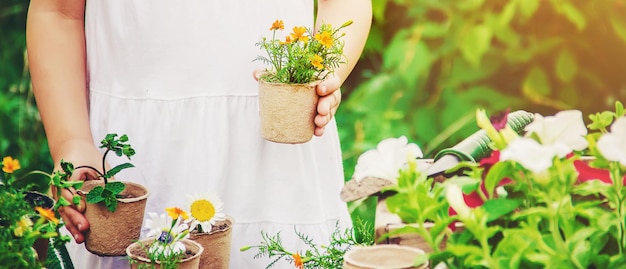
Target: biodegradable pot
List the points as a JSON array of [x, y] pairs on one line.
[[287, 111], [139, 259], [382, 257], [216, 244], [111, 232]]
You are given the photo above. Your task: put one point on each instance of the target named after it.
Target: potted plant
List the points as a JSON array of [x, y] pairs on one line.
[[211, 228], [113, 203], [29, 220], [552, 197], [167, 246], [287, 95]]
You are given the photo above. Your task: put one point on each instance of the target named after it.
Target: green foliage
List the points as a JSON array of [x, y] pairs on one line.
[[316, 256], [304, 56], [112, 189]]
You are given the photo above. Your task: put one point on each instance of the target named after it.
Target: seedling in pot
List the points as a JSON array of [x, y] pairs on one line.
[[112, 189]]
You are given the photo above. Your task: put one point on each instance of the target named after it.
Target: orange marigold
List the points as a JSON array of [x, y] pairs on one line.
[[278, 25], [287, 40], [316, 61], [325, 38], [176, 212], [47, 213], [10, 165], [297, 260], [299, 34]]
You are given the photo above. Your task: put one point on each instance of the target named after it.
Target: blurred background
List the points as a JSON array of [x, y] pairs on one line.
[[427, 66]]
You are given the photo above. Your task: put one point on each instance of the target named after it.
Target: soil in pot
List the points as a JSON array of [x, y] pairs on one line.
[[216, 245], [111, 232], [382, 257], [139, 259], [287, 111]]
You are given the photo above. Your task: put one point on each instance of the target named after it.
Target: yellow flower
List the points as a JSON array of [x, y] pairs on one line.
[[299, 34], [176, 212], [47, 213], [317, 61], [297, 260], [10, 165], [23, 225], [325, 38], [278, 25]]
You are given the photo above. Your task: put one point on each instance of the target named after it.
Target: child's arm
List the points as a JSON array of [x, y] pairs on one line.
[[336, 13], [55, 42]]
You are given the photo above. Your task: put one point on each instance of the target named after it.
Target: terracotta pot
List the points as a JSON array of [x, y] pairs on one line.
[[216, 244], [382, 257], [111, 232], [287, 111], [137, 254]]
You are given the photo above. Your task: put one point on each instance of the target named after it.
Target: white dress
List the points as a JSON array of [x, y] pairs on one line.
[[176, 77]]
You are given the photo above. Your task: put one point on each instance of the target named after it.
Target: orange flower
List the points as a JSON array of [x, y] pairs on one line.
[[297, 260], [278, 25], [287, 40], [325, 38], [316, 61], [176, 212], [47, 213], [10, 165], [299, 34]]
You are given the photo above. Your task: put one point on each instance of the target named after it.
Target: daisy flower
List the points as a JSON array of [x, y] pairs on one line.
[[205, 210]]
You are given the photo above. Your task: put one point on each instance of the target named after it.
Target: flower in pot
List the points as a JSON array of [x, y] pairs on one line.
[[29, 220], [298, 62], [113, 203], [552, 197], [211, 228], [167, 245]]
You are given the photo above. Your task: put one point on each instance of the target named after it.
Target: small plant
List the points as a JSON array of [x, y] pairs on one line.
[[317, 256], [112, 189], [302, 56], [166, 250]]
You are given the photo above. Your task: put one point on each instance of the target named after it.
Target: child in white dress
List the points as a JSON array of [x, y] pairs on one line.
[[175, 77]]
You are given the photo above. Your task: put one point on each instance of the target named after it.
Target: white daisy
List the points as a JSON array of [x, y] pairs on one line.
[[205, 210], [159, 224]]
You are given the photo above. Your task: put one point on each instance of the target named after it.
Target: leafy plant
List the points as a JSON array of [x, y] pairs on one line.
[[303, 56], [553, 198], [112, 189], [317, 256]]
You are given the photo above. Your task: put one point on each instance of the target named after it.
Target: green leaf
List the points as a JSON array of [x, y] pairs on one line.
[[497, 208], [536, 84], [475, 43], [528, 8], [619, 27], [111, 203], [115, 187], [58, 256], [95, 195], [566, 66], [117, 169], [76, 200], [572, 14]]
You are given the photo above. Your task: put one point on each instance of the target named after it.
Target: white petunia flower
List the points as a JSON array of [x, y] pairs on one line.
[[530, 154], [385, 162], [613, 145], [565, 131], [205, 211]]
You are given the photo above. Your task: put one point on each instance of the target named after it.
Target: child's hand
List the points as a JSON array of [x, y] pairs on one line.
[[78, 153], [330, 98]]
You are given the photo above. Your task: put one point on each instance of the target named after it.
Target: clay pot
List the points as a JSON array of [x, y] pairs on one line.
[[287, 111], [216, 244], [139, 259], [111, 232], [382, 257]]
